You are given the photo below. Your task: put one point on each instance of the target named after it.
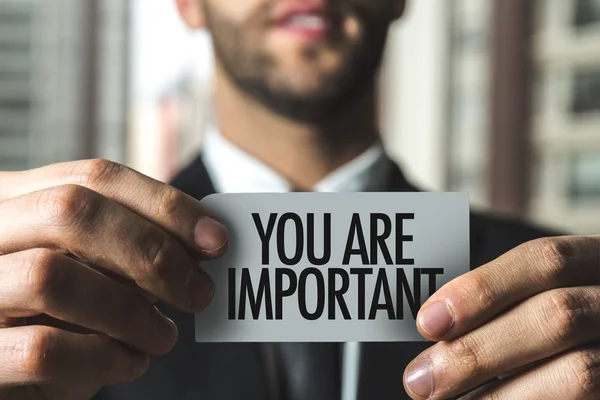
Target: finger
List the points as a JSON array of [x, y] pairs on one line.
[[43, 281], [36, 355], [100, 232], [541, 327], [571, 376], [537, 266], [177, 213]]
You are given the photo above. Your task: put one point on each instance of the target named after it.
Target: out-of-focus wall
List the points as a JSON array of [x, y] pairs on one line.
[[414, 91], [171, 89]]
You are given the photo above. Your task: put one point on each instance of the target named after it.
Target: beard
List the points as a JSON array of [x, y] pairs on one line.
[[257, 73]]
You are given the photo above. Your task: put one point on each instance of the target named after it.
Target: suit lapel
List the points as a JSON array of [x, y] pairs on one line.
[[382, 364], [225, 371]]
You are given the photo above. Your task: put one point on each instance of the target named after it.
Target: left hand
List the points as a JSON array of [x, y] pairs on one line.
[[530, 318]]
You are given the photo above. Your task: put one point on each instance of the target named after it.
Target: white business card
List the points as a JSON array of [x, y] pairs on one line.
[[331, 267]]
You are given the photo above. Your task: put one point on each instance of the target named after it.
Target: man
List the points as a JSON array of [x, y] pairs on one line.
[[86, 247]]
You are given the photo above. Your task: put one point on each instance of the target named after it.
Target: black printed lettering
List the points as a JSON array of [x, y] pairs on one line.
[[255, 301], [401, 238], [362, 273], [378, 239], [280, 292], [231, 294], [382, 284], [337, 295], [356, 232], [265, 234], [299, 250], [310, 241], [320, 294], [433, 273]]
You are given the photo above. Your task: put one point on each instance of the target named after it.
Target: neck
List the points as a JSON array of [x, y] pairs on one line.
[[302, 153]]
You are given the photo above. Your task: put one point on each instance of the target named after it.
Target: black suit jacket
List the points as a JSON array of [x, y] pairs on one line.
[[243, 371]]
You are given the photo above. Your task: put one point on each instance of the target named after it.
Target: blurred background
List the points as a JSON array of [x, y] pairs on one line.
[[499, 98]]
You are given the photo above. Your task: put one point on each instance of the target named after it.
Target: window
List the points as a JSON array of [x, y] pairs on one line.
[[585, 178], [587, 12], [586, 91], [469, 91], [14, 17], [15, 83]]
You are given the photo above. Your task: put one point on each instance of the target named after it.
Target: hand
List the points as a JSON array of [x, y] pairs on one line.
[[530, 318], [84, 248]]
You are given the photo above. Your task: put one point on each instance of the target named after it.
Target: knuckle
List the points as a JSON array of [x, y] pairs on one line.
[[584, 373], [465, 354], [92, 173], [36, 352], [480, 285], [157, 252], [564, 312], [556, 253], [41, 274], [167, 203], [67, 205]]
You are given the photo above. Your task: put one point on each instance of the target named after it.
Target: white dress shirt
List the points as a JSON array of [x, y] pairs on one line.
[[234, 171]]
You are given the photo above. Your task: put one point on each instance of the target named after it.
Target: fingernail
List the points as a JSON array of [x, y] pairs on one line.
[[167, 331], [210, 235], [201, 291], [436, 319], [419, 379]]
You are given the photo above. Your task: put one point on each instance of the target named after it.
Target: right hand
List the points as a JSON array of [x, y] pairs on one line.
[[84, 249]]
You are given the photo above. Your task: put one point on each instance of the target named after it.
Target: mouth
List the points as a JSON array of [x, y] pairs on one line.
[[304, 20]]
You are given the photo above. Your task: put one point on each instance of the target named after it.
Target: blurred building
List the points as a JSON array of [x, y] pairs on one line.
[[524, 109], [63, 81], [566, 120], [498, 98], [437, 95], [515, 105], [16, 21], [468, 96]]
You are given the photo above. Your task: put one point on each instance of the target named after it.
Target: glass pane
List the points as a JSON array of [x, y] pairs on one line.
[[10, 163], [587, 12], [15, 18], [12, 133], [585, 178], [15, 105], [586, 91], [468, 107]]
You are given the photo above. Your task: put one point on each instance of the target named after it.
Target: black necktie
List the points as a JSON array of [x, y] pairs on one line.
[[309, 371]]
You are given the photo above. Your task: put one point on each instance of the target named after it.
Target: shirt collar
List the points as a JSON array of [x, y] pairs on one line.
[[234, 171]]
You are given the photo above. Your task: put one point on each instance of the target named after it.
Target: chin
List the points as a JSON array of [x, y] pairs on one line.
[[304, 79], [298, 87]]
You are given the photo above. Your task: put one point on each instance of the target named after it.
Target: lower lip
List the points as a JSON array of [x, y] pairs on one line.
[[309, 34]]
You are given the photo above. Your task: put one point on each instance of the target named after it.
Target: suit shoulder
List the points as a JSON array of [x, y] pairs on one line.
[[493, 235], [510, 226], [194, 180]]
